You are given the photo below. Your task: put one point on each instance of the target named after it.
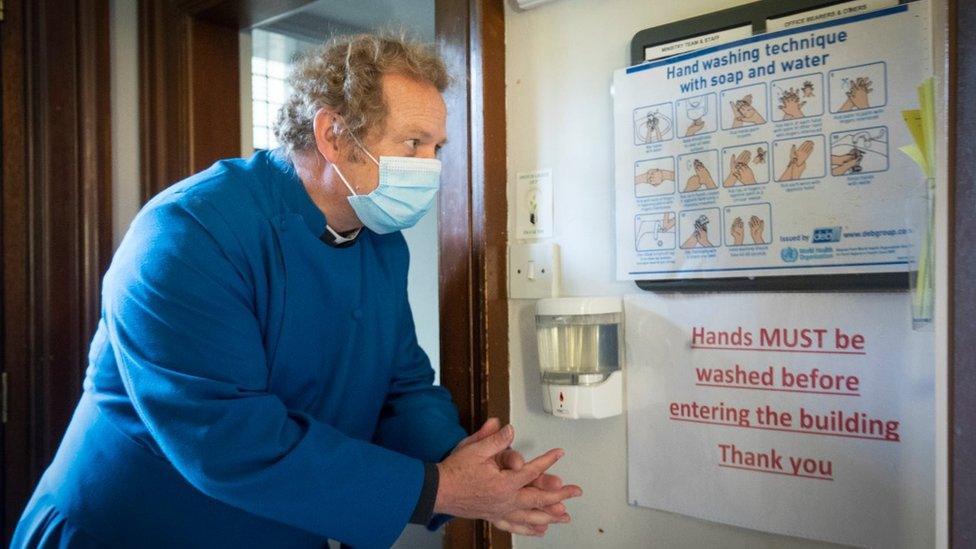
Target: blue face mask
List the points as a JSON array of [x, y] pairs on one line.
[[406, 191]]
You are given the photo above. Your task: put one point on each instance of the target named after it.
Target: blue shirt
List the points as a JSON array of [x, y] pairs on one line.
[[248, 385]]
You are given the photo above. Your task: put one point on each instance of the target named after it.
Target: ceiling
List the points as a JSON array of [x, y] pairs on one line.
[[324, 18]]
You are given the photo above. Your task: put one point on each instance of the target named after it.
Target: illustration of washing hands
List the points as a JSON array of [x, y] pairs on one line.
[[653, 126], [655, 233], [859, 151], [757, 229], [699, 237], [654, 177], [739, 170], [858, 94], [791, 105], [798, 161], [744, 113], [807, 89], [702, 179], [844, 163], [760, 156], [695, 109]]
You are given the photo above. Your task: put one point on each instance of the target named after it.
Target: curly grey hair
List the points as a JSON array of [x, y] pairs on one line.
[[345, 74]]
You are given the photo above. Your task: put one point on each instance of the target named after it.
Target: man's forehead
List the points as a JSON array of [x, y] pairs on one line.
[[413, 105]]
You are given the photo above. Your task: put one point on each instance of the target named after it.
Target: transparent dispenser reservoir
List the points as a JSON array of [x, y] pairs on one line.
[[580, 355]]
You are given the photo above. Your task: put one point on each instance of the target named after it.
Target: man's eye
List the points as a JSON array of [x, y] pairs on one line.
[[412, 143]]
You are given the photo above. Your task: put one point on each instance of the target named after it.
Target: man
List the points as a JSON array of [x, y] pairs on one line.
[[255, 380]]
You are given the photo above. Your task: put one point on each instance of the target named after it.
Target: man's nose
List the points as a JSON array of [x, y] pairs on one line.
[[429, 151]]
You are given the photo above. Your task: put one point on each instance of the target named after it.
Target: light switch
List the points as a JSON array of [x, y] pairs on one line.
[[533, 271]]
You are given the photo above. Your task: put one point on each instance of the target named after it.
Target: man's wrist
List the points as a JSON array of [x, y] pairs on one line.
[[424, 511]]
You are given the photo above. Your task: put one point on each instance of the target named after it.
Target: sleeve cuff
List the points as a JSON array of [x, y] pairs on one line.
[[424, 511]]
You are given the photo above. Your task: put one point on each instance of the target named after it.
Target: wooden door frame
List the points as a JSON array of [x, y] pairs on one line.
[[184, 41], [56, 230], [473, 220]]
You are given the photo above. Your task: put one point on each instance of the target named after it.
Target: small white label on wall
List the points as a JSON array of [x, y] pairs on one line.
[[696, 43], [533, 204], [837, 11]]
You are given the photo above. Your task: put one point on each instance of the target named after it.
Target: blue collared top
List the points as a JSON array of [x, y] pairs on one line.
[[248, 384]]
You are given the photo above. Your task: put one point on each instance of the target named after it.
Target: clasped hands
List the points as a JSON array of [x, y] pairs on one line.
[[798, 161], [484, 478], [740, 171]]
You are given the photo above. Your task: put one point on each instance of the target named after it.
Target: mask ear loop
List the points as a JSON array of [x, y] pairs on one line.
[[358, 142], [344, 180]]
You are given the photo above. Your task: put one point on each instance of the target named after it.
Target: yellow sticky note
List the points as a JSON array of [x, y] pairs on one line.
[[915, 153], [926, 96], [913, 119]]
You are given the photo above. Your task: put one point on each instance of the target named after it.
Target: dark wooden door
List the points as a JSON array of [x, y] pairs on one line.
[[56, 221]]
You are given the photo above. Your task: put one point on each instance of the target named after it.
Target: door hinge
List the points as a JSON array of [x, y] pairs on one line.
[[3, 392]]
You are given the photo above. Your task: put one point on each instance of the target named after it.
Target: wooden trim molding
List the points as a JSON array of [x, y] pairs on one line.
[[473, 214], [189, 91], [163, 97], [57, 221]]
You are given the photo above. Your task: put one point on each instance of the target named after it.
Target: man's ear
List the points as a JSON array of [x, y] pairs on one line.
[[326, 140]]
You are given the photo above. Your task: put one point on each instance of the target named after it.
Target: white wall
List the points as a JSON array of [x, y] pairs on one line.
[[559, 61]]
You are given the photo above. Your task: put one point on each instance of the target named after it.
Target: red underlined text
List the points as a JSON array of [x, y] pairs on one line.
[[775, 461], [838, 423]]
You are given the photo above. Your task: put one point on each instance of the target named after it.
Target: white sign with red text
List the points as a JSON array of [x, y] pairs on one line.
[[809, 415]]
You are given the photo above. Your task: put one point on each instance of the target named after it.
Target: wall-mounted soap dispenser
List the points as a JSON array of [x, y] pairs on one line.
[[580, 356]]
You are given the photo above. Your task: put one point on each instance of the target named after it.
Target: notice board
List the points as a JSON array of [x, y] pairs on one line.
[[772, 411], [774, 155]]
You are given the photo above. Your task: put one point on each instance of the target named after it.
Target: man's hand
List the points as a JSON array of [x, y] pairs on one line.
[[513, 460], [477, 481], [509, 458]]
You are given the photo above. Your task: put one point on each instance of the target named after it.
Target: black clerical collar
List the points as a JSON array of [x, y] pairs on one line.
[[339, 240]]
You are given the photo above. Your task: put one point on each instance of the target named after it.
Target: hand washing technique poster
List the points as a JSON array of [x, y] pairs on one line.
[[773, 155]]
